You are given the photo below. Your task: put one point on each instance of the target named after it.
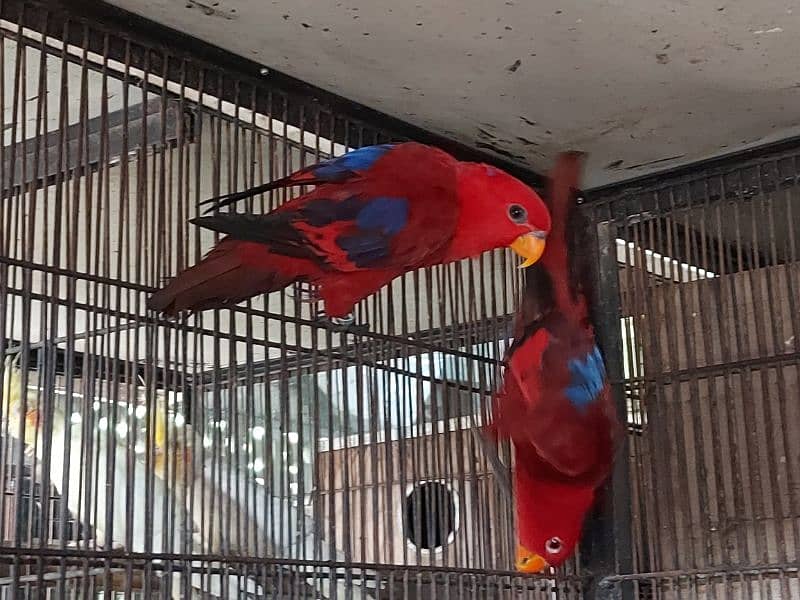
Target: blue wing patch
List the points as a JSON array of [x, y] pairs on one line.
[[343, 166], [377, 222], [588, 377], [384, 213]]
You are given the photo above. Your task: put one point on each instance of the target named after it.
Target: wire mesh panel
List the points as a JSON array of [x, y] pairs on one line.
[[755, 583], [246, 452], [708, 281], [69, 577], [259, 452]]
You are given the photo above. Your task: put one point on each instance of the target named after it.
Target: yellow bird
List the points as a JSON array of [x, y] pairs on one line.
[[12, 400], [177, 454]]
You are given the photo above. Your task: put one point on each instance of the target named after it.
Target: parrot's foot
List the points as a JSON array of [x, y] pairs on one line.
[[304, 294], [346, 324], [344, 321]]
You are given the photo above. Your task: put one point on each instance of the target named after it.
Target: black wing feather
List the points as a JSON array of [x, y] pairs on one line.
[[227, 199], [274, 230]]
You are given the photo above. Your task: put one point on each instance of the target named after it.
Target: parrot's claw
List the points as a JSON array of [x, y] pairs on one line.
[[345, 321], [346, 324], [305, 295], [361, 329]]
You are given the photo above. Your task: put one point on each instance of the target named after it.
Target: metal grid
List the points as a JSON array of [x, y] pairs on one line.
[[250, 452], [708, 285], [253, 452], [745, 583]]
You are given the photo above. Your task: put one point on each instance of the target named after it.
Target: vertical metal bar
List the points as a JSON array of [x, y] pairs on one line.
[[607, 542], [47, 408], [20, 89], [105, 276], [716, 408]]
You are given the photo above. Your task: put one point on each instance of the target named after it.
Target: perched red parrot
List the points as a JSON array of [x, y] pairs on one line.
[[555, 403], [375, 213]]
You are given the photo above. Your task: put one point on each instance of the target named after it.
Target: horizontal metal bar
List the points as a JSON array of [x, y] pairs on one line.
[[382, 337], [199, 55], [719, 369], [146, 557], [50, 147], [116, 71], [288, 578], [46, 577], [462, 335], [271, 370], [712, 167], [14, 349], [786, 567]]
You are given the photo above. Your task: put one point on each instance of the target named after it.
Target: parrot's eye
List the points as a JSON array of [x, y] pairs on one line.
[[553, 545], [517, 214]]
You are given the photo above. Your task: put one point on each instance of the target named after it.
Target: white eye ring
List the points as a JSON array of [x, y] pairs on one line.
[[553, 545]]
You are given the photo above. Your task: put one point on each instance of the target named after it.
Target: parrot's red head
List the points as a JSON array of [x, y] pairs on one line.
[[498, 210], [550, 518]]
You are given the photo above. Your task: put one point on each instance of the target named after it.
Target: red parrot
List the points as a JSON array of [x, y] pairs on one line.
[[555, 402], [376, 212]]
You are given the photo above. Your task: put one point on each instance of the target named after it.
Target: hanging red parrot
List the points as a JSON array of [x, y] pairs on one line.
[[555, 403], [376, 213]]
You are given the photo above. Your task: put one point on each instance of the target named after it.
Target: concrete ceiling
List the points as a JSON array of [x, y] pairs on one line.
[[642, 85]]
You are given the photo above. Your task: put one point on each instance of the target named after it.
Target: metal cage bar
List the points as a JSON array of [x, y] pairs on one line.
[[249, 452], [252, 452], [708, 288]]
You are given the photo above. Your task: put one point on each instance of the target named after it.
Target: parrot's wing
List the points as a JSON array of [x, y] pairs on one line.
[[397, 218], [572, 429], [555, 398], [335, 170], [521, 388]]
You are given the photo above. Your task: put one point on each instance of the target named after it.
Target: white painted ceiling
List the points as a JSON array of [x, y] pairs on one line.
[[641, 85]]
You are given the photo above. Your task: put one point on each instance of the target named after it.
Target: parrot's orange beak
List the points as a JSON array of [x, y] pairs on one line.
[[529, 562], [530, 247]]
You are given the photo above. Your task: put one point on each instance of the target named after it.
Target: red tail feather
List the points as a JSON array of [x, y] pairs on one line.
[[563, 183], [233, 271]]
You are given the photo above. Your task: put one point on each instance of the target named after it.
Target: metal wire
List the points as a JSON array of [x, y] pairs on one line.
[[249, 452], [709, 289], [766, 581], [254, 452]]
